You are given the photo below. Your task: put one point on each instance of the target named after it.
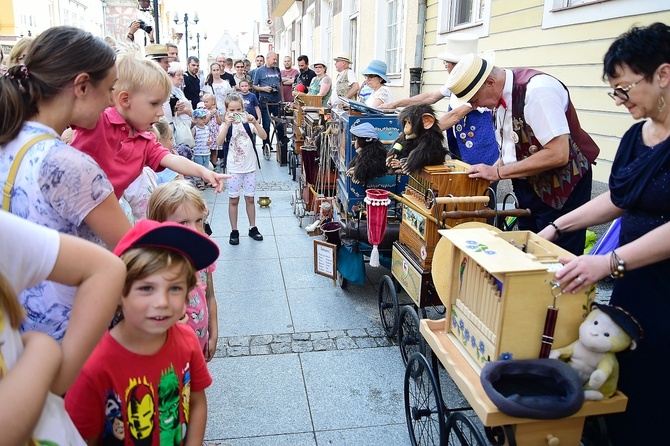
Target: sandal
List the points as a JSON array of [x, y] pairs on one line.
[[200, 186]]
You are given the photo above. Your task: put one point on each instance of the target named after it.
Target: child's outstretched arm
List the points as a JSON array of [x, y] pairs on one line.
[[195, 434], [99, 276], [187, 167], [24, 389], [213, 328]]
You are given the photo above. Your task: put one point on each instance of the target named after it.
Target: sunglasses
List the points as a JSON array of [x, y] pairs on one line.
[[370, 75], [622, 92]]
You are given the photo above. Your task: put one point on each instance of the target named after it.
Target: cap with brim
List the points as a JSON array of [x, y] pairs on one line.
[[364, 130], [377, 67], [320, 62], [468, 76], [199, 113], [623, 319], [542, 389], [198, 248], [343, 57], [458, 46], [156, 51]]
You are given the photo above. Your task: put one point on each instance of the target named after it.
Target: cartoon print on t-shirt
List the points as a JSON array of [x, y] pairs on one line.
[[141, 411], [168, 408], [114, 432]]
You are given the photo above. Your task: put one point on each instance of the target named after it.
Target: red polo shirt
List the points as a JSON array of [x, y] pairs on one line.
[[121, 156]]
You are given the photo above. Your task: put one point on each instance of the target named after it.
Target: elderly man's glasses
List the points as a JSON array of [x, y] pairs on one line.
[[622, 92]]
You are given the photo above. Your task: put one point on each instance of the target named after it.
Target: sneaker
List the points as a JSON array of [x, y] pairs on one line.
[[235, 237], [254, 234]]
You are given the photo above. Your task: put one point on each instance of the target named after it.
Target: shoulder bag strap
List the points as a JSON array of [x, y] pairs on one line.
[[8, 188]]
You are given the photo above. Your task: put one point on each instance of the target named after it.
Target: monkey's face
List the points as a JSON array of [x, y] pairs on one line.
[[407, 130]]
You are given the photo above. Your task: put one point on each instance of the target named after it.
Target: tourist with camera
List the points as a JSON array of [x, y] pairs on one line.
[[267, 82], [140, 24]]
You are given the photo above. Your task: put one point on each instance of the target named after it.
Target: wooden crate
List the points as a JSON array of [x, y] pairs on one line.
[[497, 287], [309, 100], [419, 233]]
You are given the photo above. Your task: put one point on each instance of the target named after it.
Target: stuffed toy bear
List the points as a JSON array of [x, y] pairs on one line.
[[605, 331], [421, 142]]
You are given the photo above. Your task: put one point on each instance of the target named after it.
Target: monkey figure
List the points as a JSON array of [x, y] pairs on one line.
[[370, 160], [421, 142]]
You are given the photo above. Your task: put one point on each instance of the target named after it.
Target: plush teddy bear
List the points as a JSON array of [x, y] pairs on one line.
[[606, 331]]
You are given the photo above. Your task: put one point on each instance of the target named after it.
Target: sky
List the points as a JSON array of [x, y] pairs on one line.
[[215, 17]]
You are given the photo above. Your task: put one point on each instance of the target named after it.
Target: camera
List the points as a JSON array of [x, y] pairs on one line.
[[144, 27], [240, 117], [273, 89]]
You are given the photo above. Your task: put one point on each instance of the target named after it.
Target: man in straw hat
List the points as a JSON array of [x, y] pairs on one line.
[[159, 54], [544, 150], [346, 84], [457, 46]]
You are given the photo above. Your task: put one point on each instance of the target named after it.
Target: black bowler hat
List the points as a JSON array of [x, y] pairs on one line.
[[542, 389]]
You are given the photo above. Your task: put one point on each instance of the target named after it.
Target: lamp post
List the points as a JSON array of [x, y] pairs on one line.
[[145, 6], [186, 22], [197, 38]]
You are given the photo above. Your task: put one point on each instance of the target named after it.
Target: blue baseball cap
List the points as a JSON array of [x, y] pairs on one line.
[[364, 130], [199, 113]]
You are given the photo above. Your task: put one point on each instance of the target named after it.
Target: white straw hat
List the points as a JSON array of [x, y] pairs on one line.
[[457, 46], [468, 76]]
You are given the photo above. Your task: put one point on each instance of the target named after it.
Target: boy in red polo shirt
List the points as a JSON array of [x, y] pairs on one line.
[[121, 142]]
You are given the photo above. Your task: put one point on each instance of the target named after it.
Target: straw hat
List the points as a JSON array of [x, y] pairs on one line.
[[457, 46], [156, 51], [320, 62], [343, 57], [468, 76], [377, 67]]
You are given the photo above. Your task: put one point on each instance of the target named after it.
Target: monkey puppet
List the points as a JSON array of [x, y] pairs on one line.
[[605, 331], [421, 142], [370, 160]]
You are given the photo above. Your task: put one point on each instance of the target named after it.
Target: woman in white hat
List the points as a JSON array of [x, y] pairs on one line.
[[375, 78], [321, 84]]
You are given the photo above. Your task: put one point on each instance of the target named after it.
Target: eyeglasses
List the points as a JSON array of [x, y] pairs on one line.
[[21, 57], [622, 92], [370, 75]]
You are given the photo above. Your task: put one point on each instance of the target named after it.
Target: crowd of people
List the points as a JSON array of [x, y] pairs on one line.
[[87, 128]]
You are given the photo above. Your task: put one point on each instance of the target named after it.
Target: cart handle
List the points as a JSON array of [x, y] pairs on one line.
[[453, 200]]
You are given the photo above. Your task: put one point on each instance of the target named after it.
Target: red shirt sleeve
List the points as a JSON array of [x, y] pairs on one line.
[[155, 154], [200, 377]]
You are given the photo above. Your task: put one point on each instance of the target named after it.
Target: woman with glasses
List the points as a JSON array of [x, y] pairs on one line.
[[240, 75], [375, 78], [637, 66], [18, 53], [321, 85]]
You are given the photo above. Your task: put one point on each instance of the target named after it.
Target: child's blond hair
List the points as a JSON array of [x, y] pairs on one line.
[[209, 96], [9, 304], [135, 74], [161, 129], [168, 197], [143, 262]]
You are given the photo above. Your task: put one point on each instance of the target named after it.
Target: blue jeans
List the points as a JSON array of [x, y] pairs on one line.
[[202, 160], [274, 111]]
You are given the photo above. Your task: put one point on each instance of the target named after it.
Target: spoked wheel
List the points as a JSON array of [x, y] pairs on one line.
[[389, 312], [409, 338], [266, 151], [462, 431], [424, 411]]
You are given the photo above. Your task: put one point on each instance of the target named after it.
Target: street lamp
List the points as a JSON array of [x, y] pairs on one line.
[[197, 38], [186, 22], [145, 6]]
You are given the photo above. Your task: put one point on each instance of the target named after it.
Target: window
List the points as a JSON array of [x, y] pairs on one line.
[[570, 12], [327, 34], [395, 30], [472, 16]]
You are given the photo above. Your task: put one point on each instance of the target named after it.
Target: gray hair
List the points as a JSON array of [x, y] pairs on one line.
[[175, 67]]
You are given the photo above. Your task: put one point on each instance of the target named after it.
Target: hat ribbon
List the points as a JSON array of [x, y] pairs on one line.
[[472, 84]]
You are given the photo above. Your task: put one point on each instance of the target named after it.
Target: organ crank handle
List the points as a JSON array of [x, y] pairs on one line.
[[460, 200]]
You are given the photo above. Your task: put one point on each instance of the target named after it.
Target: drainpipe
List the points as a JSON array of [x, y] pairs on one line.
[[415, 73]]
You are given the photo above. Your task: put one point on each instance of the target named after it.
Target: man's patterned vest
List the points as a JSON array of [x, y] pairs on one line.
[[553, 186]]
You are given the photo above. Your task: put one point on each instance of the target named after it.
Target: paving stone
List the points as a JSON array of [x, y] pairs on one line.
[[324, 344], [280, 348], [365, 342], [238, 351], [319, 335], [281, 338], [238, 341], [260, 350], [345, 343], [301, 336], [383, 341], [302, 346], [334, 334], [357, 333], [261, 340], [377, 332]]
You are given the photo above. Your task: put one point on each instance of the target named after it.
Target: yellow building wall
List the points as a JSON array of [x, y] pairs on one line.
[[7, 17], [571, 53]]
